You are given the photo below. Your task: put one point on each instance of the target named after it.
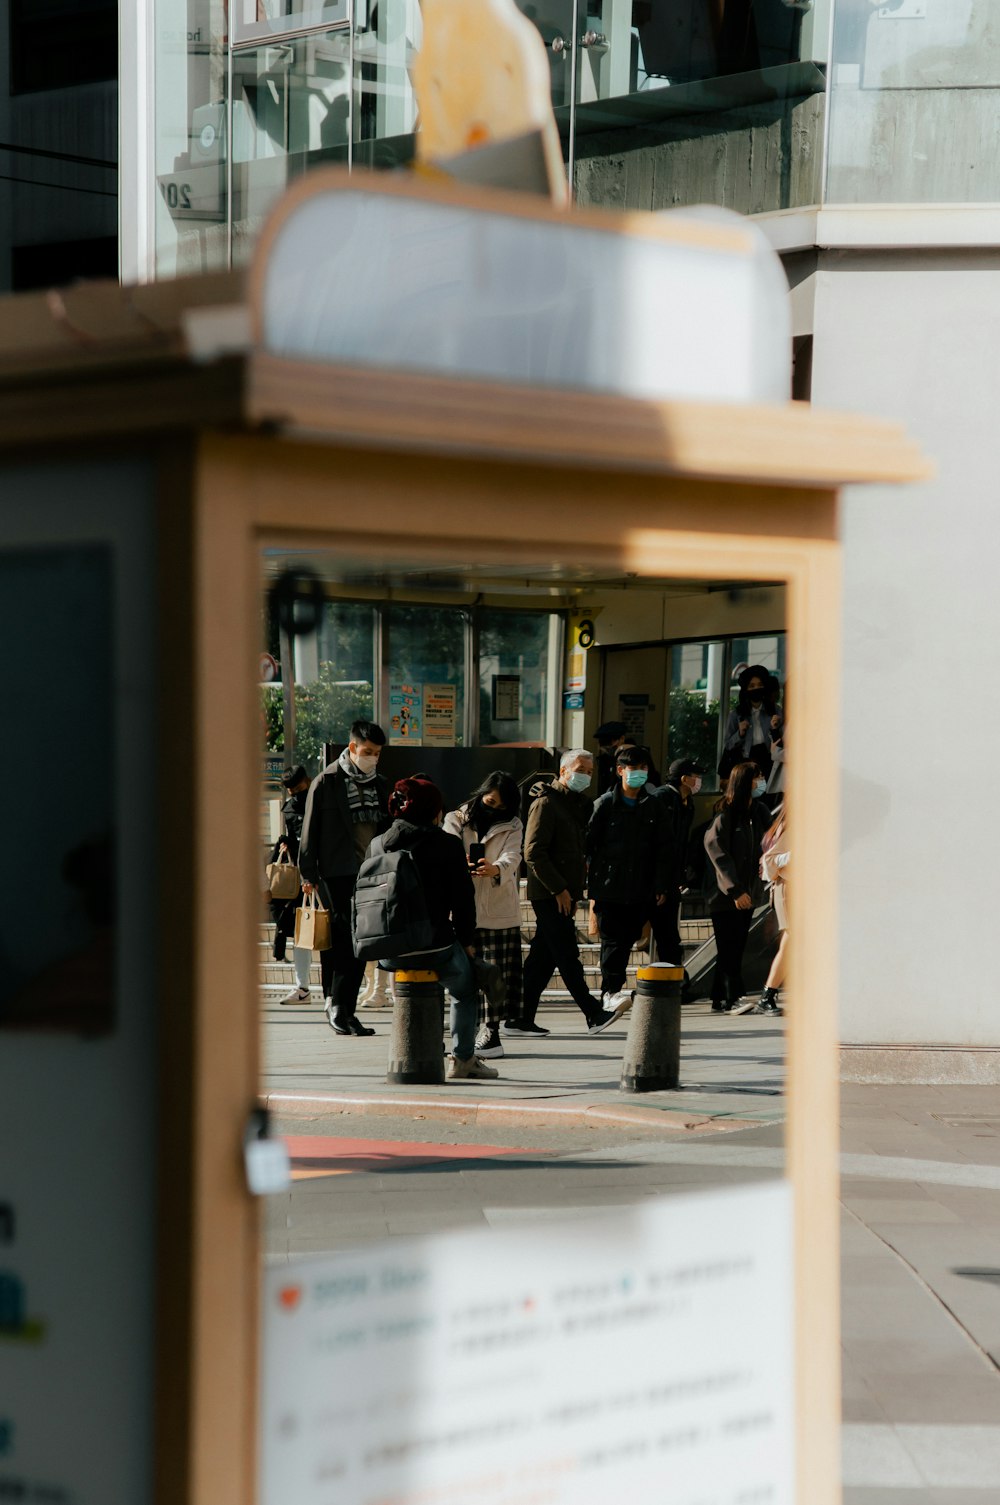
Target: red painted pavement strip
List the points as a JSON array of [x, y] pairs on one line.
[[324, 1155]]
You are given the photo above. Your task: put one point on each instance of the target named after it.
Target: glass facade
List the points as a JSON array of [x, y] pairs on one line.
[[431, 675], [703, 689], [913, 102], [251, 95]]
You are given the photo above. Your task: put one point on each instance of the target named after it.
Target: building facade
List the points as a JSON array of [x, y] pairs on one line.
[[861, 137]]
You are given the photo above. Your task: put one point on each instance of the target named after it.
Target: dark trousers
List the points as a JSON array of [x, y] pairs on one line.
[[339, 968], [667, 930], [554, 945], [732, 927], [620, 926]]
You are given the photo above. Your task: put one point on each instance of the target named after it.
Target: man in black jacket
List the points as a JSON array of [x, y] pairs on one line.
[[629, 850], [557, 873], [450, 899], [683, 782], [346, 807]]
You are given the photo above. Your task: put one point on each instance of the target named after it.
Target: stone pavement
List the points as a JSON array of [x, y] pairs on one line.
[[920, 1191]]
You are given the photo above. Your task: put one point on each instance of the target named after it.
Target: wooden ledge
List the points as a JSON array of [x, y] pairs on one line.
[[791, 445]]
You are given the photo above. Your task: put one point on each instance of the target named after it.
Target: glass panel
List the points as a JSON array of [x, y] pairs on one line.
[[269, 18], [696, 681], [913, 102], [426, 662], [334, 684], [291, 111], [190, 150], [514, 676], [385, 108]]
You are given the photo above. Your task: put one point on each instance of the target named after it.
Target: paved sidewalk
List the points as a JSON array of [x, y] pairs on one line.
[[732, 1069], [920, 1190]]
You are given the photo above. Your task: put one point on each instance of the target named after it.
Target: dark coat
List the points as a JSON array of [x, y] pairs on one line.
[[326, 848], [554, 850], [444, 871], [292, 812], [629, 850], [733, 845], [680, 815]]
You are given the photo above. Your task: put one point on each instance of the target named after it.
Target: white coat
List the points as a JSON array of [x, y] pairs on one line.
[[498, 900]]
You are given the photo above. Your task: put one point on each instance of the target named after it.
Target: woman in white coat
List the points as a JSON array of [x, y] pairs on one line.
[[490, 819]]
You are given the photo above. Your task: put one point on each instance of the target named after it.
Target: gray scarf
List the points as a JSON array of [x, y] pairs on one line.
[[362, 791]]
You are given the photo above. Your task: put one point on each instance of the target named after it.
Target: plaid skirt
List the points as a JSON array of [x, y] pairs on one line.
[[503, 949]]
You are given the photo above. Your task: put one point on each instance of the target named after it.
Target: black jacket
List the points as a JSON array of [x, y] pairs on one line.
[[292, 813], [629, 850], [680, 814], [326, 848], [733, 845], [444, 869], [554, 837]]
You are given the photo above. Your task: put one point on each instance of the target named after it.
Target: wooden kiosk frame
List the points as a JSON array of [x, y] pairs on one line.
[[253, 451]]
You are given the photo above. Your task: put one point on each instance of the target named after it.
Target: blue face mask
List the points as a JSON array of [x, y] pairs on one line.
[[759, 788], [578, 782], [635, 778]]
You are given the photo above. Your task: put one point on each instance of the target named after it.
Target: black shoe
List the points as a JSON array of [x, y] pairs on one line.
[[718, 1006], [523, 1027], [604, 1019], [355, 1027], [769, 1007]]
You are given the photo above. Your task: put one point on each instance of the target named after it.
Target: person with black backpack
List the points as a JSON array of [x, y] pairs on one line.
[[415, 897]]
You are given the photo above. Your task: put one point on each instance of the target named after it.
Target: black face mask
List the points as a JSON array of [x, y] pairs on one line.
[[756, 697]]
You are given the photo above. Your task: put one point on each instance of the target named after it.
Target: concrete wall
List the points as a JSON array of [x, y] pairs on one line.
[[754, 159], [914, 336]]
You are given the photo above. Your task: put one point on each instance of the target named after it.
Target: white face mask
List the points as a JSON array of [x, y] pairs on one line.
[[365, 762], [696, 784], [759, 787]]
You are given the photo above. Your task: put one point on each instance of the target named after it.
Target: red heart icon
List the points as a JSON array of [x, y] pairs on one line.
[[289, 1297]]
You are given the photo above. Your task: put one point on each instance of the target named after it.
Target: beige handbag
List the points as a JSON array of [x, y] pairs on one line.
[[312, 924], [283, 878]]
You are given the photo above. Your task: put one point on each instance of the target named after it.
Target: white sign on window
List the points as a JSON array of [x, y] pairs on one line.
[[644, 1357]]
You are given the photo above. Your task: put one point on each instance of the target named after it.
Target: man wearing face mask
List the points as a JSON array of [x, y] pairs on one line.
[[347, 806], [677, 796], [554, 852], [755, 723], [629, 850]]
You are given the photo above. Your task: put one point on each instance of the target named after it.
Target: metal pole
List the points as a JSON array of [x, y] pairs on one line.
[[287, 693]]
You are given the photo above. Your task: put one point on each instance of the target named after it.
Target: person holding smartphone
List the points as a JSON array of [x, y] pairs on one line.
[[490, 828]]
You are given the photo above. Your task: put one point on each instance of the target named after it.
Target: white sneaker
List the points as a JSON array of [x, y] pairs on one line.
[[297, 995], [473, 1067], [618, 1003]]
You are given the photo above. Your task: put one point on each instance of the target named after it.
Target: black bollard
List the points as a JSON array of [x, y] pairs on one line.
[[416, 1044], [652, 1059]]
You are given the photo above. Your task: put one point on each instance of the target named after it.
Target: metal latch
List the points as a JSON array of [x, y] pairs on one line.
[[268, 1167]]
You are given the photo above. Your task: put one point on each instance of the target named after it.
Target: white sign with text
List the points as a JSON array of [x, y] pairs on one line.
[[641, 1357]]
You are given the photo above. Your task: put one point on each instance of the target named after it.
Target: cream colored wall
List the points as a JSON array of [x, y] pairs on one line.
[[648, 616]]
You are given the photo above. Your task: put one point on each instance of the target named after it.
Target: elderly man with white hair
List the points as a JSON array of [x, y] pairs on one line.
[[555, 855]]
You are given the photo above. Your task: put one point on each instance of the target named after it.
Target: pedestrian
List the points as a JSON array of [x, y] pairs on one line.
[[449, 896], [283, 911], [346, 807], [491, 831], [733, 843], [754, 723], [630, 861], [684, 778], [774, 871], [555, 856]]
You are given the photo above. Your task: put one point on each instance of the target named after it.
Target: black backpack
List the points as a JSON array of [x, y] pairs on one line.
[[389, 912]]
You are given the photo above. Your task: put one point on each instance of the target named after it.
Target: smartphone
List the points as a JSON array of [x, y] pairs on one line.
[[477, 853]]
